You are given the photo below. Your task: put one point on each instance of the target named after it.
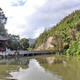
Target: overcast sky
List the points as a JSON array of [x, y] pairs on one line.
[[29, 18]]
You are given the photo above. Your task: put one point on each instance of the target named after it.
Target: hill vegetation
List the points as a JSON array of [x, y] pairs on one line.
[[66, 35]]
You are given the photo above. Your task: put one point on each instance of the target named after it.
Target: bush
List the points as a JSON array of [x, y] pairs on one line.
[[74, 48]]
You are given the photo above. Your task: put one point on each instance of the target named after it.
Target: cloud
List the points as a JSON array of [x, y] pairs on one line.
[[29, 18], [17, 15]]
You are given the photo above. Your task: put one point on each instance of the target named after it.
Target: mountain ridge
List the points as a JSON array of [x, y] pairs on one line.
[[65, 32]]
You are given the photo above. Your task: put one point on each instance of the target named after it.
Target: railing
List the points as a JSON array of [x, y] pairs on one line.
[[25, 53]]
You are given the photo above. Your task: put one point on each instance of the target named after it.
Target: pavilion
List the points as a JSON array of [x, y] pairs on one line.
[[3, 43]]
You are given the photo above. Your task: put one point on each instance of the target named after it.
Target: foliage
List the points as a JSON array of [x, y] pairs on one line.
[[66, 34], [58, 43], [14, 42], [67, 23], [74, 48], [24, 43], [30, 49]]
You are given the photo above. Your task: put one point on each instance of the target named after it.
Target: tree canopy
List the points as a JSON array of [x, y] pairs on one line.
[[24, 43]]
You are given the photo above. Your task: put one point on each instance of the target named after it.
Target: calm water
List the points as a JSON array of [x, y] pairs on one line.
[[34, 72], [41, 68]]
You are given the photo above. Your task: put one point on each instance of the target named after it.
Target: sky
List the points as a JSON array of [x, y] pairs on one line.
[[29, 18]]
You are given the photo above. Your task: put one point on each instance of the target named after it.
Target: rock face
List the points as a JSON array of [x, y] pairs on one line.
[[54, 60], [47, 44]]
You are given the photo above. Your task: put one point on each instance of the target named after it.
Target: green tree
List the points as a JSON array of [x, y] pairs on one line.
[[3, 20], [74, 48], [24, 43], [14, 42], [57, 43]]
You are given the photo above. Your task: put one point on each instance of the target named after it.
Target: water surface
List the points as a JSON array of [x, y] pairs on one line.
[[41, 68], [34, 72]]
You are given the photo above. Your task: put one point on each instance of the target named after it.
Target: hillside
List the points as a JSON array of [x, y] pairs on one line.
[[65, 34]]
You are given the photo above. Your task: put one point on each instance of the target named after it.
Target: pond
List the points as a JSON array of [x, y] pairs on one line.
[[47, 67]]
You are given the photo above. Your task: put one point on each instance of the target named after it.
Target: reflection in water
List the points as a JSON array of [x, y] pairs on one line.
[[34, 72]]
